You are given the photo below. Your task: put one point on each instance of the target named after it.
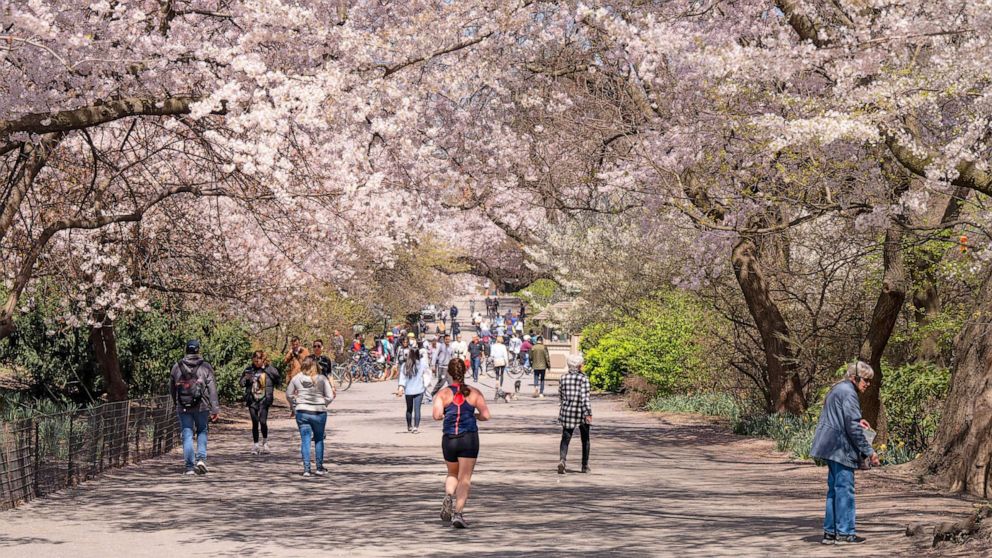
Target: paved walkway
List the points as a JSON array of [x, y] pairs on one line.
[[658, 488]]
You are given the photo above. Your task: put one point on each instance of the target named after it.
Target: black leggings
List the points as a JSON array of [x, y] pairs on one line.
[[259, 419], [499, 374], [413, 409], [566, 437]]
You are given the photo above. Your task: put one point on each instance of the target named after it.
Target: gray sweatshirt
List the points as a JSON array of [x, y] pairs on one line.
[[308, 395]]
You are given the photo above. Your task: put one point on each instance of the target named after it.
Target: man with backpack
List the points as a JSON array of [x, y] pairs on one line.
[[194, 391]]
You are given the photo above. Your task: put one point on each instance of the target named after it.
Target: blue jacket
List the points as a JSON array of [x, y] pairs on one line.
[[839, 436]]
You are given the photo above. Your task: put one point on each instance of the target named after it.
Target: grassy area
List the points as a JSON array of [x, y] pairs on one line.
[[791, 434]]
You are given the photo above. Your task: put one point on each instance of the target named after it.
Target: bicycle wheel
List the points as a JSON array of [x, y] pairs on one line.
[[343, 377], [488, 369]]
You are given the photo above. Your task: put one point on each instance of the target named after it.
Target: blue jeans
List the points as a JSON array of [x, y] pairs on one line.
[[188, 421], [476, 365], [539, 379], [526, 359], [311, 427], [839, 518]]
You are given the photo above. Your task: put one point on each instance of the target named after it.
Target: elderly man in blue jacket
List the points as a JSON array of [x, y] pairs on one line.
[[840, 441]]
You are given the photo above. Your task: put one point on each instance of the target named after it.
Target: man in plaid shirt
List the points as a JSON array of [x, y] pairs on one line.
[[575, 410]]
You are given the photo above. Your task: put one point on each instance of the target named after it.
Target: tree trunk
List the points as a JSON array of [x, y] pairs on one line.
[[785, 388], [883, 320], [926, 299], [961, 454], [104, 342]]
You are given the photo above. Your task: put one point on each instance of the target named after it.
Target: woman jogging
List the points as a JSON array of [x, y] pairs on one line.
[[412, 384], [501, 357], [259, 380], [457, 406], [311, 392]]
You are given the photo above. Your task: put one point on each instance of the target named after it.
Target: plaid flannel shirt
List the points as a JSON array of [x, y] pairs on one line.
[[573, 390]]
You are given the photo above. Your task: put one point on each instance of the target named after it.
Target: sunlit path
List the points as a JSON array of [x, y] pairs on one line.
[[657, 489]]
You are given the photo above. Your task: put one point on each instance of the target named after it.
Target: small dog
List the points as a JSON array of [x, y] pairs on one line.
[[505, 395]]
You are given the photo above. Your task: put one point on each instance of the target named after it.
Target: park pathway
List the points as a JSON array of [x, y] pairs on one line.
[[658, 488]]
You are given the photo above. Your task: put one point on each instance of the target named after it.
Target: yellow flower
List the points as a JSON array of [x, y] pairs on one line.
[[881, 447], [902, 444]]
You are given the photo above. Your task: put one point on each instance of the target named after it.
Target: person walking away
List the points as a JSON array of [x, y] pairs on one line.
[[311, 393], [501, 358], [475, 354], [489, 307], [840, 441], [495, 306], [457, 406], [294, 359], [412, 384], [540, 361], [453, 311], [456, 328], [518, 328], [471, 307], [574, 410], [523, 311], [259, 380], [337, 345], [514, 347], [194, 392], [525, 347], [440, 363]]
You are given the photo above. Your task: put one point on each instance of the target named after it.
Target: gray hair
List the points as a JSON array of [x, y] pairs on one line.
[[859, 369], [574, 362]]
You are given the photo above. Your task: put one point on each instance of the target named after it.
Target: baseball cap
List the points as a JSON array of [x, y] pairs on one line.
[[192, 347]]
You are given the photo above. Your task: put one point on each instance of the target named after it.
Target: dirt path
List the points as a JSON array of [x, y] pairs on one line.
[[658, 488]]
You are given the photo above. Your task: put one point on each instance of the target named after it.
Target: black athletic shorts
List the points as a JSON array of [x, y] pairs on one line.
[[465, 444]]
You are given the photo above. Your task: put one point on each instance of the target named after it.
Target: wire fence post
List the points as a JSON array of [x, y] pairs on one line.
[[68, 476], [37, 455]]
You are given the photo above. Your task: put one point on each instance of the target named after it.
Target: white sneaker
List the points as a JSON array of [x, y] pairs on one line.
[[541, 396], [254, 448], [415, 431], [265, 447], [306, 474], [190, 473], [201, 468]]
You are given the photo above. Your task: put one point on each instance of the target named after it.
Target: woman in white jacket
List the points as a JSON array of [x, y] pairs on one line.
[[501, 358], [412, 384], [311, 392]]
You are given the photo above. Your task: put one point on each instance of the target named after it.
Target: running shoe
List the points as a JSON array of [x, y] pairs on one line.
[[586, 469], [829, 538], [265, 447], [458, 522], [850, 539], [561, 467], [201, 468], [306, 474], [320, 472], [255, 448], [415, 431], [447, 508], [189, 473]]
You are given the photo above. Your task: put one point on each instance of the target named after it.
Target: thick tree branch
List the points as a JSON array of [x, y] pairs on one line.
[[85, 117]]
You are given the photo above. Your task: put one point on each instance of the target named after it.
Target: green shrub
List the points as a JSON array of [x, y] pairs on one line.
[[791, 434], [913, 395], [58, 362], [659, 343]]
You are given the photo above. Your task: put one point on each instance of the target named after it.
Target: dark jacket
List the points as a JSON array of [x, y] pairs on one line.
[[539, 357], [839, 436], [248, 378], [204, 374], [475, 349]]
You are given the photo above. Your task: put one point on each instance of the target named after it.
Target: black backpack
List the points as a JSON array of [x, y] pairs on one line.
[[189, 388]]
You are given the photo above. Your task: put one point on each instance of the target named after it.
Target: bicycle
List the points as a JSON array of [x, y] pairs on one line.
[[342, 376]]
